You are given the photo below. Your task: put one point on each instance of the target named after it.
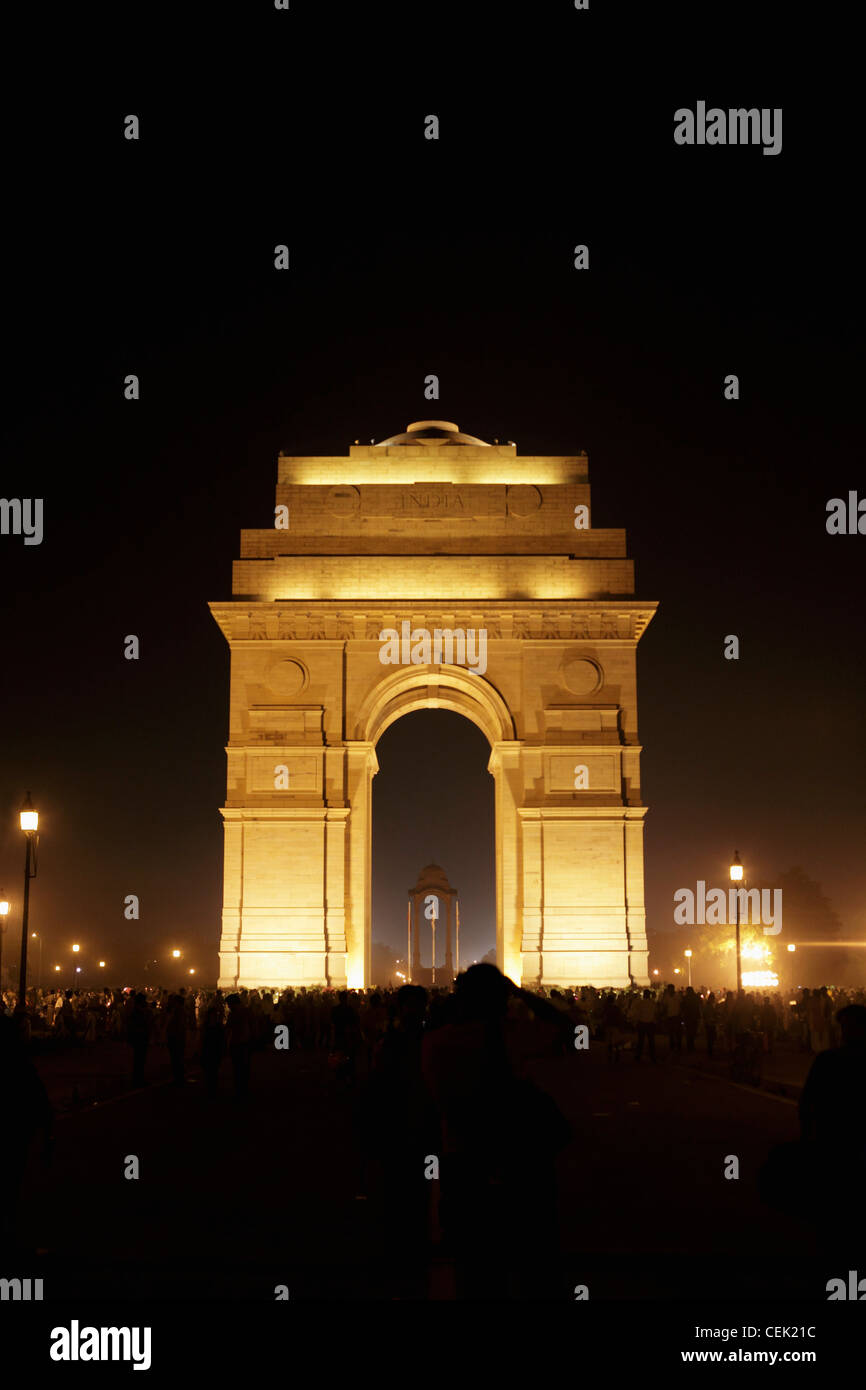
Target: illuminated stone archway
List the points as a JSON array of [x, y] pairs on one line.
[[505, 547]]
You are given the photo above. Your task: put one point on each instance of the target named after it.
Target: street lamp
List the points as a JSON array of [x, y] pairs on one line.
[[176, 955], [737, 877], [688, 956], [75, 968], [30, 825], [792, 948], [4, 913]]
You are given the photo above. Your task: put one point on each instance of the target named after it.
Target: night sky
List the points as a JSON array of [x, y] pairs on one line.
[[411, 257]]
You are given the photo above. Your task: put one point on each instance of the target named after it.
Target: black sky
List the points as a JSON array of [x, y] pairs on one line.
[[412, 257]]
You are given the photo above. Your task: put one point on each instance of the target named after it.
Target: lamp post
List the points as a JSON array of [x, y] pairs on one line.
[[4, 913], [688, 956], [737, 877], [75, 949], [433, 963], [792, 948], [30, 825]]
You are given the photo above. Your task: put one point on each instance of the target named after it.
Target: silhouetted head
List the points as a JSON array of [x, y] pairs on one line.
[[411, 1005], [647, 994], [482, 992], [852, 1021]]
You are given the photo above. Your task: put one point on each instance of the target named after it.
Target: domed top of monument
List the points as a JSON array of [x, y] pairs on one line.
[[432, 433], [432, 876]]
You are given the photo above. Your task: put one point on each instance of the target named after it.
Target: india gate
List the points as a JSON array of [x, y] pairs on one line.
[[386, 575]]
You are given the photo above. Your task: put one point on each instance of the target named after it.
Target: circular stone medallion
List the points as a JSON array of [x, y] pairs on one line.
[[523, 499], [287, 678], [581, 676]]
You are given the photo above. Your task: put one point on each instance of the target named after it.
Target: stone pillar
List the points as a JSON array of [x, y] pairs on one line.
[[449, 963]]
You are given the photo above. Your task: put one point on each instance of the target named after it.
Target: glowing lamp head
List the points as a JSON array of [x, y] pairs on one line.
[[176, 954], [57, 967], [192, 972], [29, 817], [4, 907], [736, 868], [687, 953], [676, 970], [791, 946], [76, 948], [102, 965]]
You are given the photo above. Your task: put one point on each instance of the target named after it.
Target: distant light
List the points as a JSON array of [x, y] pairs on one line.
[[4, 907], [687, 953], [76, 948], [760, 979], [192, 972], [676, 970], [175, 954], [655, 972], [736, 868], [78, 969], [57, 967], [33, 935], [102, 964], [791, 946]]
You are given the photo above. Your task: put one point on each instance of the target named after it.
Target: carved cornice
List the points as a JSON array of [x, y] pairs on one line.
[[527, 622]]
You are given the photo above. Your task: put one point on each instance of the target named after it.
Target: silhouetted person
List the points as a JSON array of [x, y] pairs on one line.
[[400, 1128], [690, 1012], [645, 1017], [671, 1011], [711, 1021], [347, 1038], [499, 1138], [175, 1035], [138, 1031], [27, 1111], [239, 1040], [833, 1099], [213, 1047], [823, 1175], [614, 1023]]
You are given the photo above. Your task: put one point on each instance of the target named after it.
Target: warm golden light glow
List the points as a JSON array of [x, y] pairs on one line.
[[4, 907], [102, 964], [736, 870], [76, 948], [57, 967], [29, 821], [791, 946], [687, 953], [760, 979], [192, 972], [176, 954]]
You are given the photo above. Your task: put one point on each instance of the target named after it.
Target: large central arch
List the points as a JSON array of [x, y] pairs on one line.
[[489, 543], [452, 688]]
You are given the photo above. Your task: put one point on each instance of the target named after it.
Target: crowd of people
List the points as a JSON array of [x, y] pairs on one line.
[[356, 1021], [441, 1076]]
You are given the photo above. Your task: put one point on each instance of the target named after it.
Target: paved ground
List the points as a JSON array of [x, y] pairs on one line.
[[236, 1198]]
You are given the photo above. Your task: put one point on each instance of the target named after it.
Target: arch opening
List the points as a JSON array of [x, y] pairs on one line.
[[433, 803]]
